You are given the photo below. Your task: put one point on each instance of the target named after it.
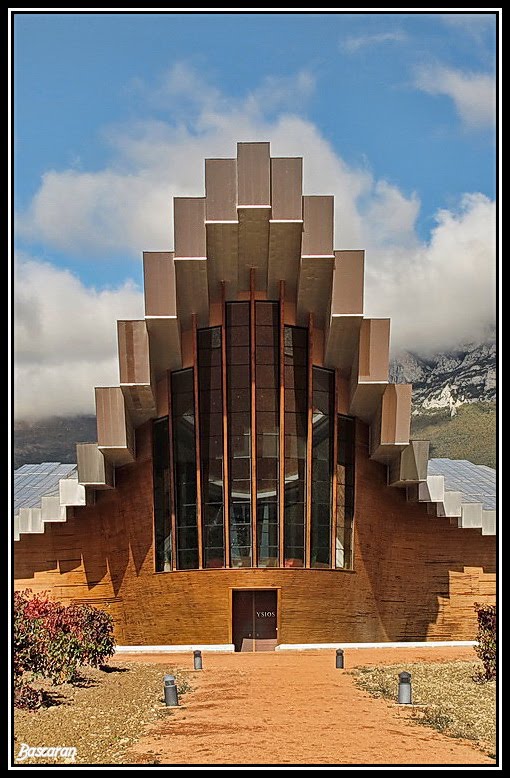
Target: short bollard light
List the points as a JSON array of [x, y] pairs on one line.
[[197, 660], [405, 695], [339, 662], [171, 696]]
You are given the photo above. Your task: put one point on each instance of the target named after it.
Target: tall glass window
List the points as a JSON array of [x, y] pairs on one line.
[[253, 355], [211, 446], [161, 485], [296, 384], [323, 388], [239, 431], [267, 404], [185, 469], [345, 491]]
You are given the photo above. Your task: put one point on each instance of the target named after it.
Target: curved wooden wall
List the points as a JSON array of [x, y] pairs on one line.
[[415, 577]]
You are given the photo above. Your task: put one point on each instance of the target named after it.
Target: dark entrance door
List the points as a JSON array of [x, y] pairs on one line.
[[243, 629], [254, 620], [264, 609]]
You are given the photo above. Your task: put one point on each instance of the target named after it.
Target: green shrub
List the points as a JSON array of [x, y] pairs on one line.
[[486, 648], [53, 641]]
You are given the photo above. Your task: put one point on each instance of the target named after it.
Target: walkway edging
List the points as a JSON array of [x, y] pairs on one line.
[[229, 647], [224, 647], [402, 644]]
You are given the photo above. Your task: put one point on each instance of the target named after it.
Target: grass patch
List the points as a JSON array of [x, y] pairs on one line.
[[470, 434], [450, 700]]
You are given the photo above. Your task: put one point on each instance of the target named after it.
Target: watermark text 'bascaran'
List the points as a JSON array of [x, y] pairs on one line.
[[41, 752]]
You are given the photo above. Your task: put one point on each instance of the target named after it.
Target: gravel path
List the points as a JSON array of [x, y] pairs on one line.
[[295, 709], [280, 708]]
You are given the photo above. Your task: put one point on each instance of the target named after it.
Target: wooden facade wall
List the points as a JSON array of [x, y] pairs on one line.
[[415, 576]]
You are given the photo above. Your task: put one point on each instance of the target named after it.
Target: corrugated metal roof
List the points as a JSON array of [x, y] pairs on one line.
[[31, 482], [476, 482]]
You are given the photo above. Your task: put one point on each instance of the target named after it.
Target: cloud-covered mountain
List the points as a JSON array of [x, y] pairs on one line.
[[450, 378]]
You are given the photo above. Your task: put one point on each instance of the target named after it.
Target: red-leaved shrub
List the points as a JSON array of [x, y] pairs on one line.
[[486, 648], [52, 641], [25, 696]]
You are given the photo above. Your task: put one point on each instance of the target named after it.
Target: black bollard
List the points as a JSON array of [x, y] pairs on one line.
[[197, 660], [405, 694], [171, 696], [339, 663]]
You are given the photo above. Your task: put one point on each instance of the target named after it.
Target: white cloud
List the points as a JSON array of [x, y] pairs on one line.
[[65, 338], [102, 212], [185, 94], [438, 292], [443, 293], [474, 94], [281, 93], [354, 44], [390, 217], [128, 205]]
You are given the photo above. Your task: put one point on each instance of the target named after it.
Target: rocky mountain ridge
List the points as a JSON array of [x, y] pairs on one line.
[[448, 379]]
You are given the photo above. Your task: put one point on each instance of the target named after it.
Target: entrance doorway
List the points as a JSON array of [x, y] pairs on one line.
[[254, 619]]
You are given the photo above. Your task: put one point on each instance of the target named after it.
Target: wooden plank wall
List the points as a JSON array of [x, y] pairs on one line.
[[415, 576]]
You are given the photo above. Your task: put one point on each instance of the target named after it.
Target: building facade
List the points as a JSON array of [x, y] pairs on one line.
[[253, 482]]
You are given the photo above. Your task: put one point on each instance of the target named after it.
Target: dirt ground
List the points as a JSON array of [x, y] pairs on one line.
[[101, 716], [295, 708]]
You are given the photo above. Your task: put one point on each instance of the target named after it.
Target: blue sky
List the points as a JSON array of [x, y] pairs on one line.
[[114, 113]]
